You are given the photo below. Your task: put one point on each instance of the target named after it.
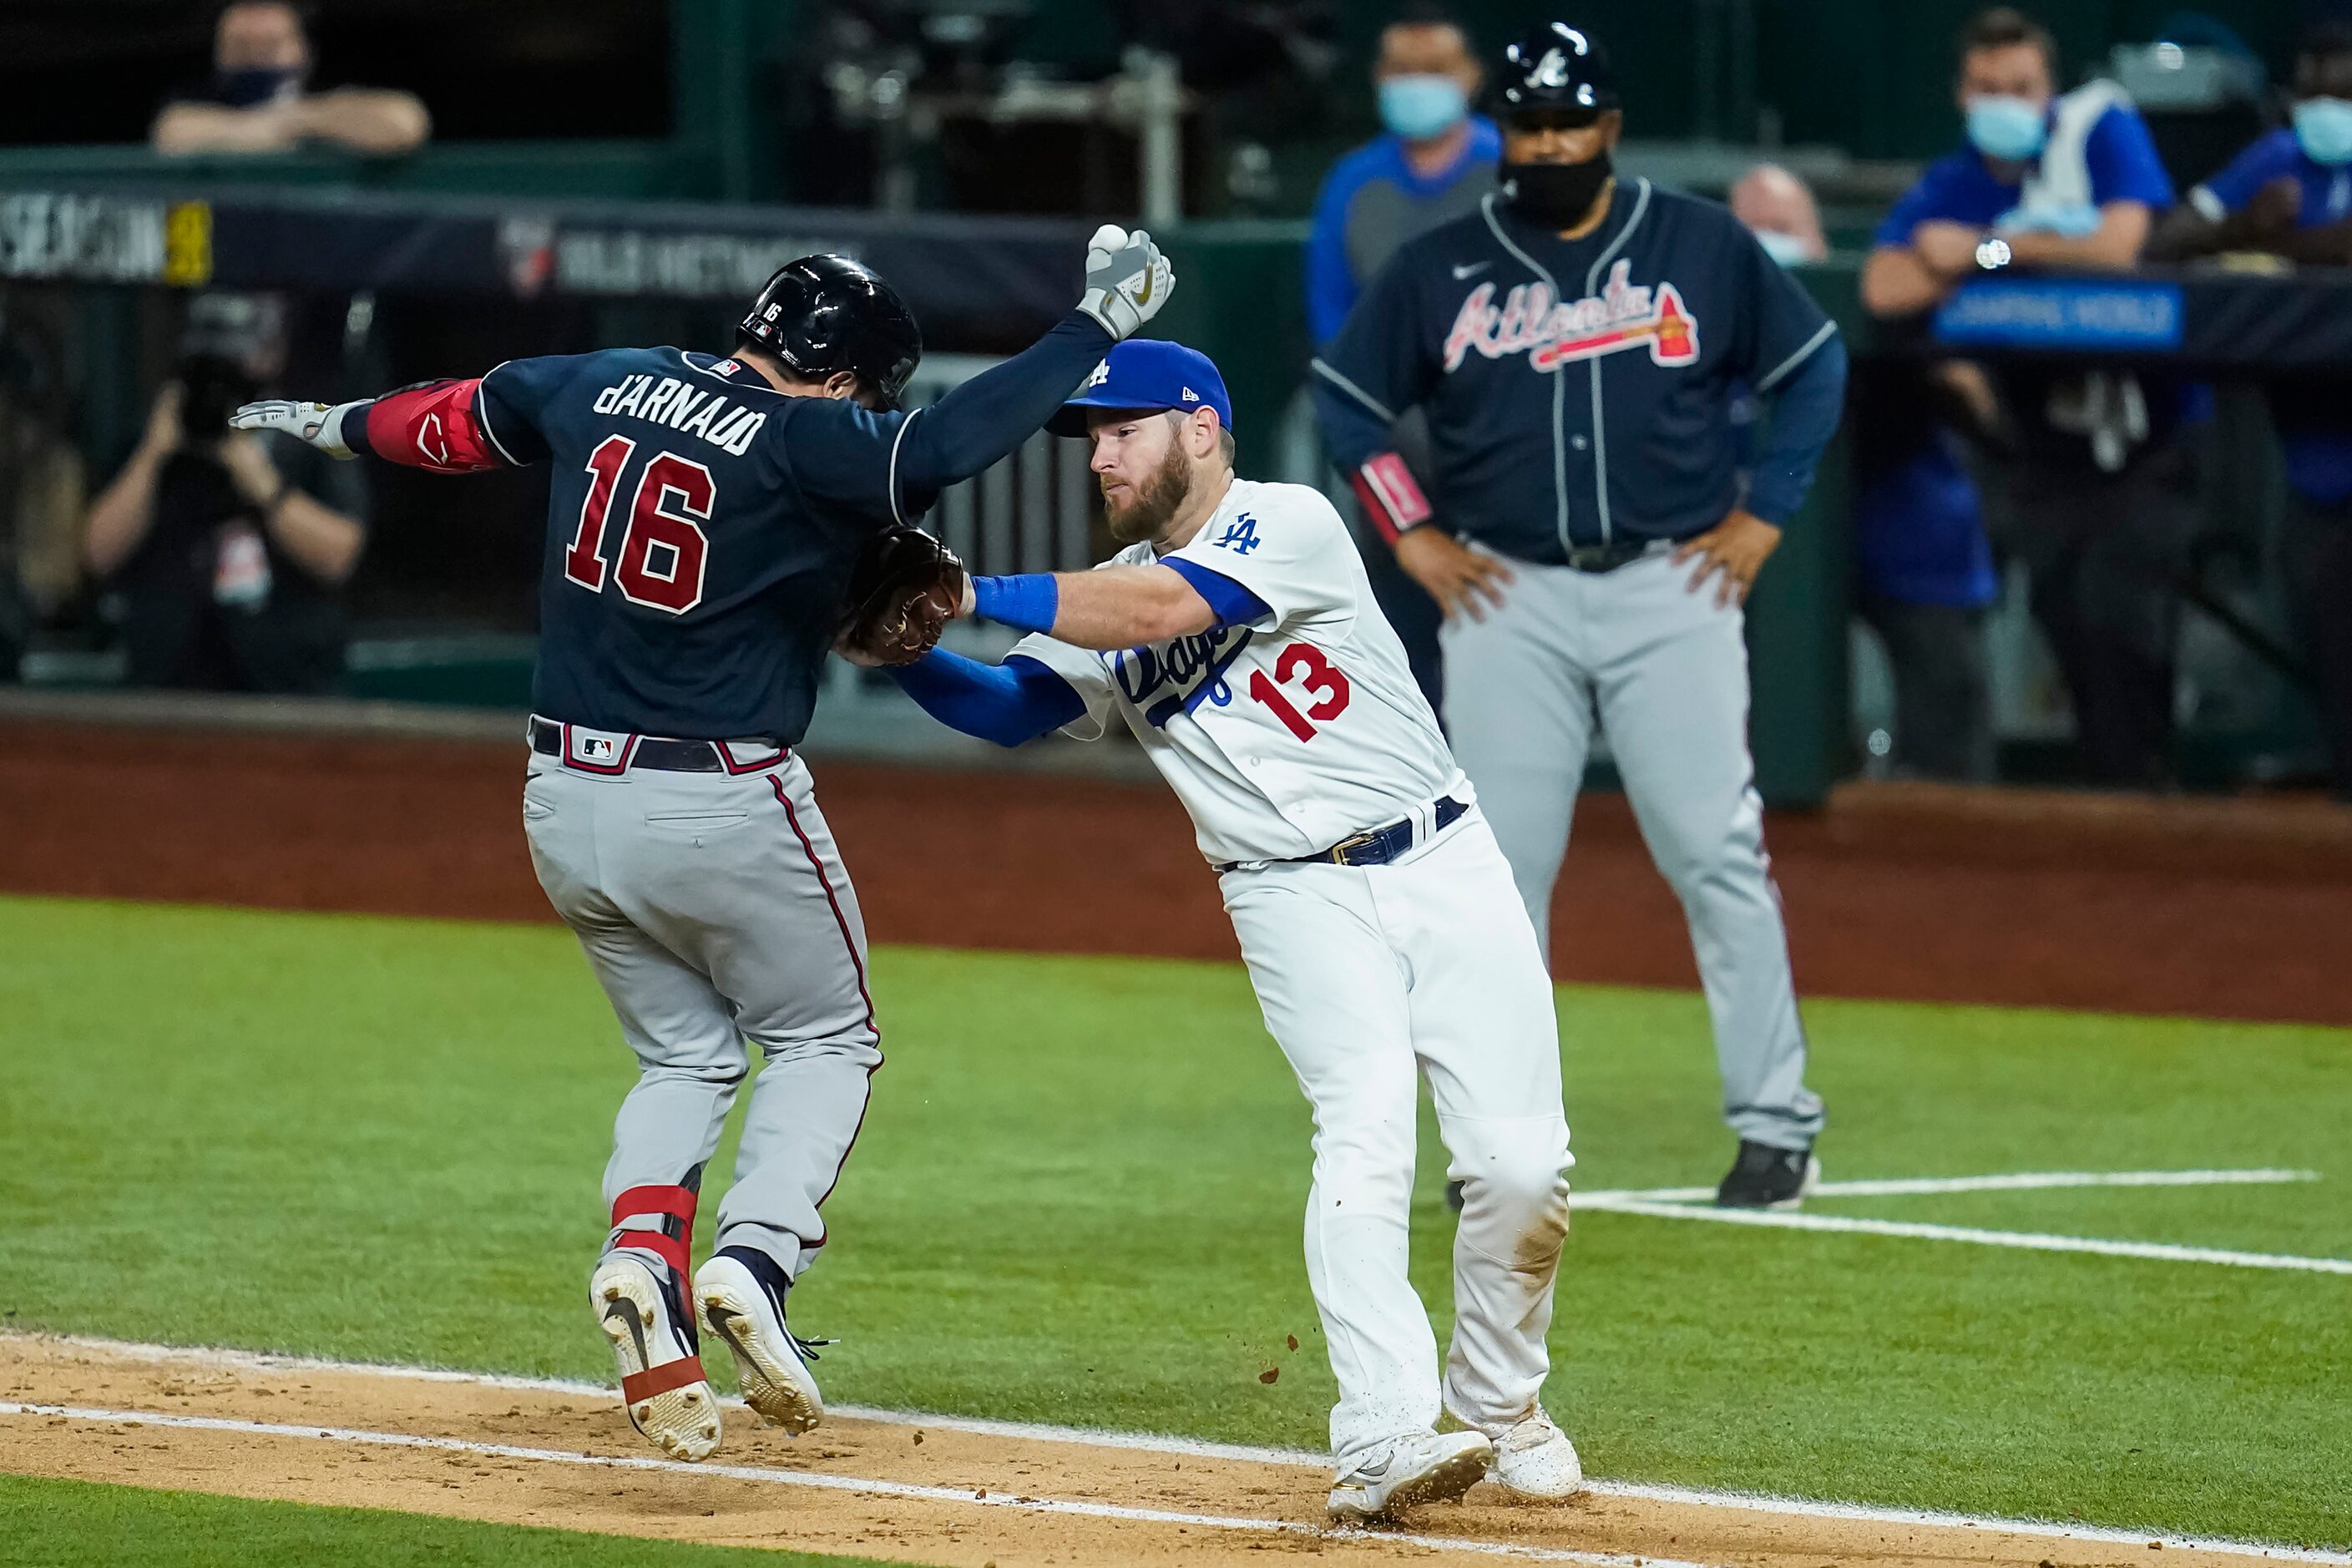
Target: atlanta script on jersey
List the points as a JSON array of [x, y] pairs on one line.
[[1576, 390], [1287, 735]]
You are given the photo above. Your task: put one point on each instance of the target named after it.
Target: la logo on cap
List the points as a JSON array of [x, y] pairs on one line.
[[1101, 374]]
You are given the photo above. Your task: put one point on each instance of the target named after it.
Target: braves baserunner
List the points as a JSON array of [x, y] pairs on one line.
[[705, 515], [1237, 637], [1577, 346]]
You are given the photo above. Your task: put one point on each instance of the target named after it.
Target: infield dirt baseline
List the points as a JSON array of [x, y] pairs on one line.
[[901, 1485]]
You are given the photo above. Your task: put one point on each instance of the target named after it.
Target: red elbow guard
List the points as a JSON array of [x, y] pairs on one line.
[[1391, 500], [433, 427]]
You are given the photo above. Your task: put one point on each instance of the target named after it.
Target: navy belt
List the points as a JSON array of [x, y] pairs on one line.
[[654, 751], [1376, 846], [1608, 557]]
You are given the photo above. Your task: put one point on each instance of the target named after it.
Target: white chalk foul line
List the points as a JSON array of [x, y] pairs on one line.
[[1936, 1187], [821, 1481], [1189, 1447], [2031, 1241]]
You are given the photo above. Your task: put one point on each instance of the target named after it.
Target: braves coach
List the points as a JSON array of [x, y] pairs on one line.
[[1577, 344]]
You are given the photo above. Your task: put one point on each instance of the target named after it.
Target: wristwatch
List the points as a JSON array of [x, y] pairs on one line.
[[1992, 254]]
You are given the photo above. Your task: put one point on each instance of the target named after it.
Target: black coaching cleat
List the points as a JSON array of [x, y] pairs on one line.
[[1763, 1177]]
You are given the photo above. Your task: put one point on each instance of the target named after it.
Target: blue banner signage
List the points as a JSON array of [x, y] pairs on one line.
[[2060, 313]]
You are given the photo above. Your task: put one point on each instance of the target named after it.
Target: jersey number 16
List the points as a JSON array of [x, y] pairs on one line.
[[662, 550]]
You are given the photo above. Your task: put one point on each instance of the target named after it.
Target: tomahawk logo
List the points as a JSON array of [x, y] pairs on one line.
[[1551, 70], [1623, 315]]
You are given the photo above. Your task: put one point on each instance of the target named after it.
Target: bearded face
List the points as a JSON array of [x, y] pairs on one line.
[[1142, 510]]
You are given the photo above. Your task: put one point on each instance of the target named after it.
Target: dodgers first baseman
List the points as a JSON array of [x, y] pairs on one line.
[[704, 516], [1237, 637], [1575, 345]]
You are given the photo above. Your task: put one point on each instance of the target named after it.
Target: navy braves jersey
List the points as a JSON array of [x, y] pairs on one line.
[[1578, 391], [702, 525]]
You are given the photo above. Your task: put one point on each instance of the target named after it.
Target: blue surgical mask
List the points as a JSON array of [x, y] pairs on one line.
[[251, 89], [1785, 249], [1419, 107], [2010, 129], [2323, 129]]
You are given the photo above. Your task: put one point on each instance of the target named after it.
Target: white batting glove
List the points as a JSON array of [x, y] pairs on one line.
[[1127, 280], [320, 423]]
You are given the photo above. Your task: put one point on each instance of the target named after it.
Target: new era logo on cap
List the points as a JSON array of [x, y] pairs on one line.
[[1191, 395]]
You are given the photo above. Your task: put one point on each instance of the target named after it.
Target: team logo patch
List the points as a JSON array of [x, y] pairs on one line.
[[1623, 315], [1101, 374]]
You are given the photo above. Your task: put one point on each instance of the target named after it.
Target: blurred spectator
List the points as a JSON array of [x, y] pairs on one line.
[[1923, 567], [227, 567], [41, 495], [2290, 194], [2096, 487], [1778, 209], [1433, 162], [258, 99]]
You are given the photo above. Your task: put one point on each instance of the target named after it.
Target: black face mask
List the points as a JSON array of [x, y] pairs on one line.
[[1556, 195], [251, 88]]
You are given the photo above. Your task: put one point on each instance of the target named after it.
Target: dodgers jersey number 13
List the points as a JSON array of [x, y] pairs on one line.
[[1286, 735]]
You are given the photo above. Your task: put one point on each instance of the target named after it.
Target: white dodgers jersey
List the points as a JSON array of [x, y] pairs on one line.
[[1288, 734]]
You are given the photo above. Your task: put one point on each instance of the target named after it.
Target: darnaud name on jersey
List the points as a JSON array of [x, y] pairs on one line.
[[726, 425], [1193, 665], [1623, 315]]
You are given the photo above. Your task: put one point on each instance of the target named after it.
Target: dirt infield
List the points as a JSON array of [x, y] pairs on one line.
[[2216, 908], [896, 1488]]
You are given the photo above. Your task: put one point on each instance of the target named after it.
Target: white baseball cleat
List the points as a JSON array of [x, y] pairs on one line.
[[1534, 1462], [769, 1362], [1423, 1468], [662, 1384]]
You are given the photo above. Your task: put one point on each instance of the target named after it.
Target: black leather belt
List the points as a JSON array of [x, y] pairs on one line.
[[652, 751], [1608, 557], [1376, 846]]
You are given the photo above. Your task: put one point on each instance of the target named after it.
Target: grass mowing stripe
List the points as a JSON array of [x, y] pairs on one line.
[[2031, 1241], [51, 1523], [828, 1482]]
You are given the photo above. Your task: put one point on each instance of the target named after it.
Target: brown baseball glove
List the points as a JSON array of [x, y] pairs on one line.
[[903, 591]]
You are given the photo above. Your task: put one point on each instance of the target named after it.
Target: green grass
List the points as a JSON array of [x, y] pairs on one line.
[[48, 1523], [1077, 1197]]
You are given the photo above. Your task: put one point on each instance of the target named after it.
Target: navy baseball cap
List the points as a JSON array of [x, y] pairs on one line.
[[1149, 373]]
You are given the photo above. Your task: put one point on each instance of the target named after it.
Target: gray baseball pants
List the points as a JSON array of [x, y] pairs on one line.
[[1662, 672], [715, 911]]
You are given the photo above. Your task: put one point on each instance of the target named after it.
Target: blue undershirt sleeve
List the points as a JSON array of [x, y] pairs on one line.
[[1007, 703], [1805, 410], [1234, 604]]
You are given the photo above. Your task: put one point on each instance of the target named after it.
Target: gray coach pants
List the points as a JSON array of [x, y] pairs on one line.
[[1663, 672], [714, 909]]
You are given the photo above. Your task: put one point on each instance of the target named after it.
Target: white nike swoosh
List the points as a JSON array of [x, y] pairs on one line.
[[1474, 268]]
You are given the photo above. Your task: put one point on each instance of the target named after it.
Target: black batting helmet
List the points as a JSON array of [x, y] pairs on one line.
[[1558, 67], [824, 314]]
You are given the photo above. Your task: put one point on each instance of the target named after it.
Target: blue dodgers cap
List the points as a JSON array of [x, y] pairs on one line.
[[1147, 373]]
